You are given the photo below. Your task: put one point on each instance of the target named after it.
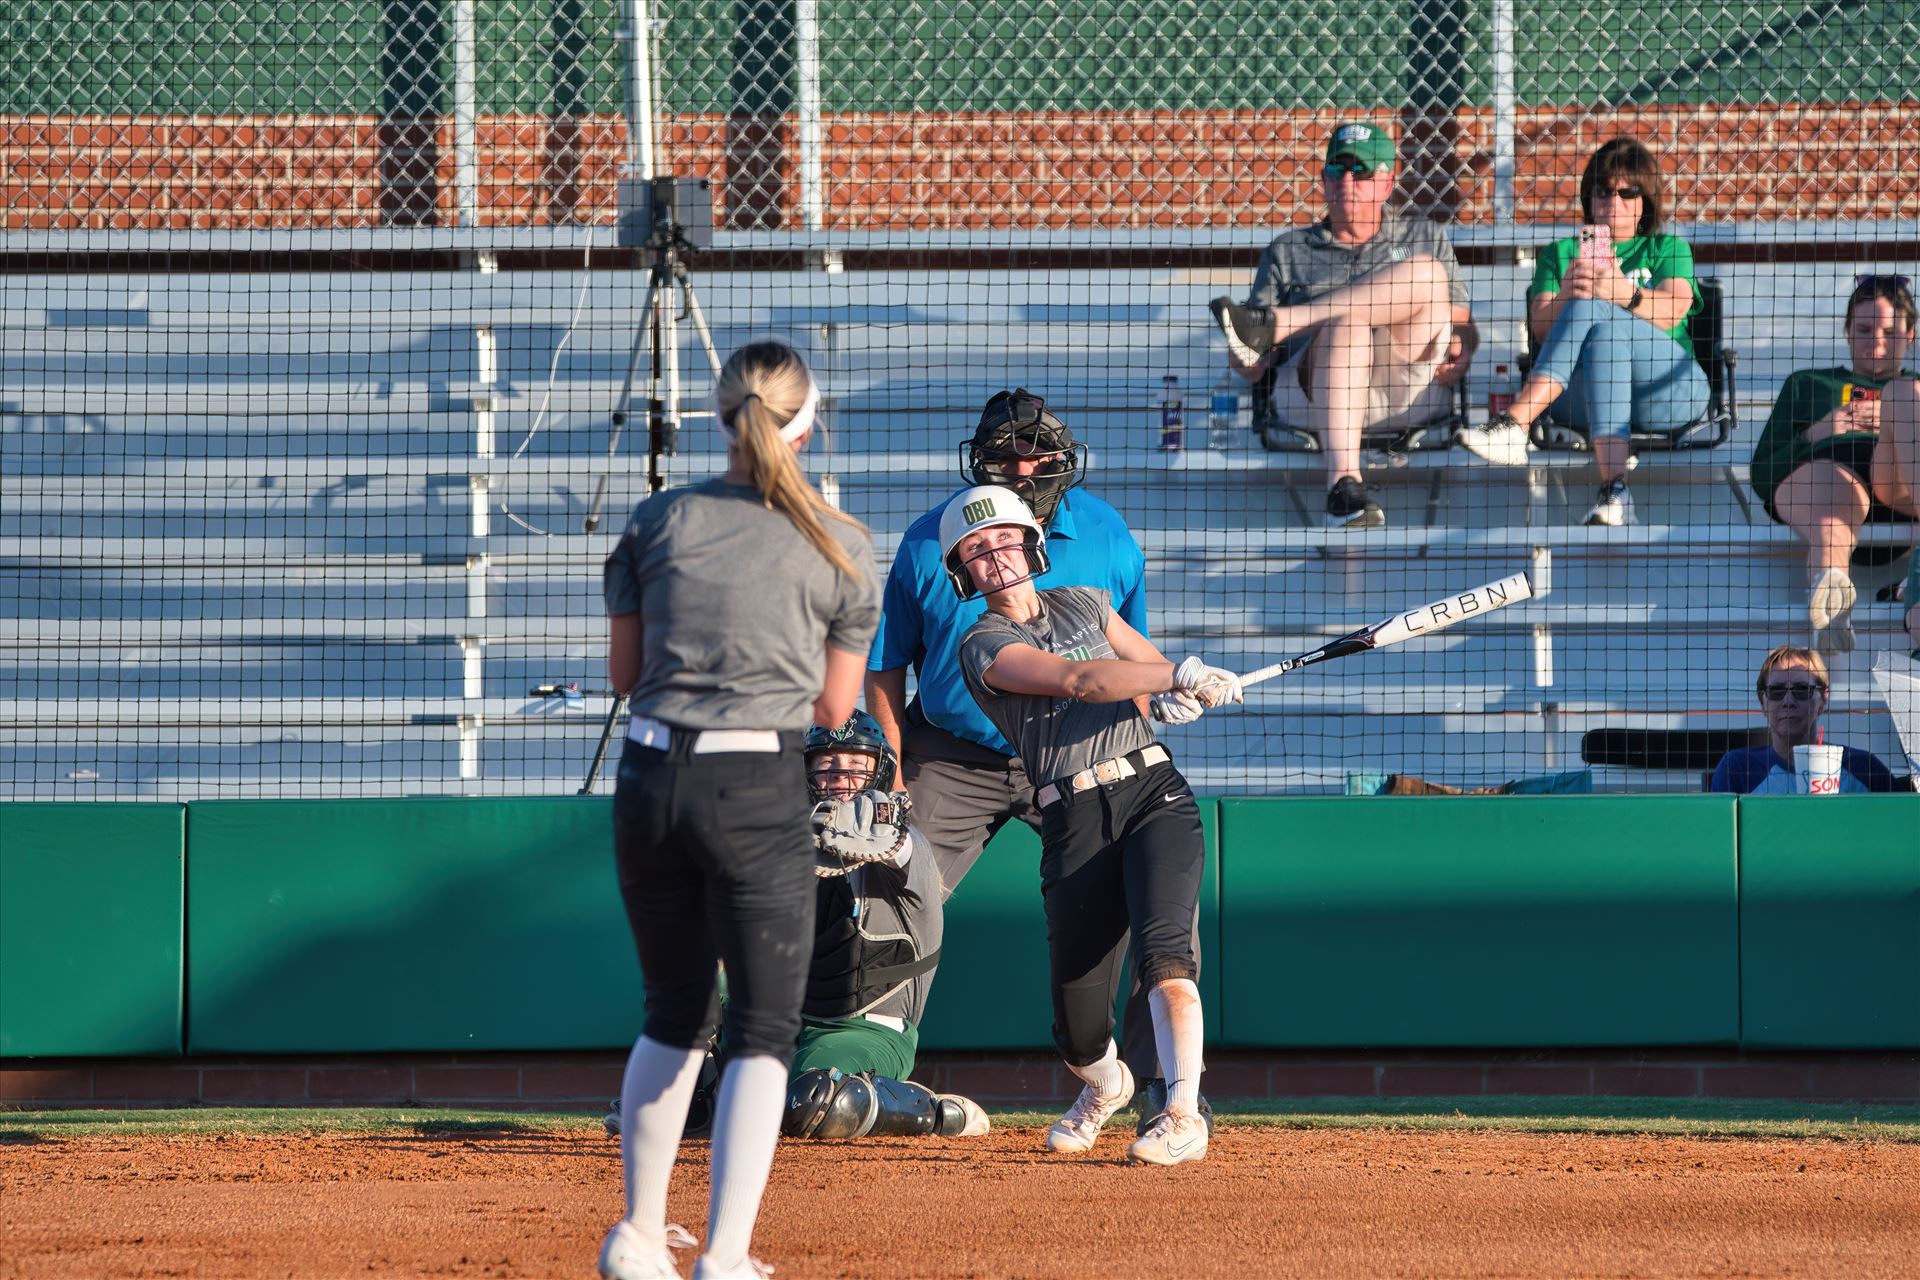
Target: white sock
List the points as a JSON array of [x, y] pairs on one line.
[[1104, 1075], [1179, 1031], [746, 1128], [654, 1095]]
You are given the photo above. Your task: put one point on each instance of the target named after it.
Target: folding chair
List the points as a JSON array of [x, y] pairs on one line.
[[1282, 437]]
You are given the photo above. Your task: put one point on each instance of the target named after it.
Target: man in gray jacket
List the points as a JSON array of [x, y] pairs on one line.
[[1364, 312]]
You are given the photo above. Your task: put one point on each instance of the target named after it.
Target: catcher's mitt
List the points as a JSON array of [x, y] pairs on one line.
[[869, 827]]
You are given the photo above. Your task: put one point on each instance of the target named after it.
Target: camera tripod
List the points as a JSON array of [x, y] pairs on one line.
[[659, 336]]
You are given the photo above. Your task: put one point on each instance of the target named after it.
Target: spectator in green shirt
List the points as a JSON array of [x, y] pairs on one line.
[[1829, 459]]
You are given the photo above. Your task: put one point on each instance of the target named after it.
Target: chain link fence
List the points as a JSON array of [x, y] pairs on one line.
[[317, 316]]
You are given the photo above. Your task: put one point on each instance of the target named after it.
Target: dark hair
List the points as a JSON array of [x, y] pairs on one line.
[[1892, 288], [1626, 158]]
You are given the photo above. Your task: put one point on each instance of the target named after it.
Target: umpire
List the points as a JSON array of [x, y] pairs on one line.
[[740, 610], [962, 775]]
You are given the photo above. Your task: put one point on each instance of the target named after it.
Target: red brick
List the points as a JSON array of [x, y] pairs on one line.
[[1646, 1081], [1322, 1080], [1539, 1079], [360, 1084], [1866, 1082], [1756, 1080], [147, 1083], [254, 1084], [570, 1082], [1237, 1080], [453, 1084], [45, 1084], [1014, 1079], [1420, 1079]]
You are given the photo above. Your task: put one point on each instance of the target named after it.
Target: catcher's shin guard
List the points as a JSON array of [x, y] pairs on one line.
[[906, 1109], [959, 1117], [825, 1103]]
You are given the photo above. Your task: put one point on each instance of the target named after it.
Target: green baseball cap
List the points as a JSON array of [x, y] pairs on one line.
[[1369, 144]]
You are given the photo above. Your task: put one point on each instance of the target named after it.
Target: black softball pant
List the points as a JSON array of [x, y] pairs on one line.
[[1126, 855], [715, 854]]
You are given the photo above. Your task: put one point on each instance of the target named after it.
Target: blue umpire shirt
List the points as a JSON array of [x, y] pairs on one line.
[[922, 619]]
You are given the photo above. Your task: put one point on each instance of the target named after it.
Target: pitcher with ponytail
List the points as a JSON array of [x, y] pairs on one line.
[[740, 613]]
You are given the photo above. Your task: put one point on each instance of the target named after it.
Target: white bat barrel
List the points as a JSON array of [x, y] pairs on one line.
[[1438, 615]]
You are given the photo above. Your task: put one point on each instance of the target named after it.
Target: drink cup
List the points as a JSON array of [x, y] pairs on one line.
[[1816, 769]]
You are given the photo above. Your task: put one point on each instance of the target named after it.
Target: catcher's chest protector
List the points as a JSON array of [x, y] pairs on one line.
[[851, 970]]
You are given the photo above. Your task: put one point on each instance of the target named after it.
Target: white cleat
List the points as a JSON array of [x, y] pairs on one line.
[[1171, 1139], [1076, 1131], [626, 1255], [1830, 610], [746, 1269], [1502, 441]]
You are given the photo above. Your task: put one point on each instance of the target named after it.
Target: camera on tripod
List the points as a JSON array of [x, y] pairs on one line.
[[666, 213]]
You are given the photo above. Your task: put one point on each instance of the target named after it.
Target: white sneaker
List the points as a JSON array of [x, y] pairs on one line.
[[1502, 441], [1613, 507], [749, 1268], [1075, 1132], [626, 1255], [976, 1124], [1830, 610], [1171, 1139]]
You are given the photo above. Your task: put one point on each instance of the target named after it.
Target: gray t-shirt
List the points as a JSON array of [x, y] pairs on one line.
[[1054, 737], [1306, 262], [736, 607], [922, 924]]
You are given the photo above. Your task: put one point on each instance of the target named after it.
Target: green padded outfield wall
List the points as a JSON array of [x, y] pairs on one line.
[[421, 924], [991, 990], [1830, 922], [90, 961], [1537, 921]]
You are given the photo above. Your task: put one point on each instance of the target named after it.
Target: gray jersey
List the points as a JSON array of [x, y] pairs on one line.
[[1307, 262], [1054, 737], [922, 924], [736, 607]]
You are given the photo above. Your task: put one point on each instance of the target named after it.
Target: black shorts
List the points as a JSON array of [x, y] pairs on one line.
[[1851, 453], [715, 854]]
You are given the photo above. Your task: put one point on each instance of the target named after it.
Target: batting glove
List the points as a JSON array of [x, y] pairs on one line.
[[1214, 686], [1175, 707]]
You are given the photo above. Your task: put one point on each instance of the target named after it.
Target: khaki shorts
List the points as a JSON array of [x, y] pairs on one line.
[[1400, 393]]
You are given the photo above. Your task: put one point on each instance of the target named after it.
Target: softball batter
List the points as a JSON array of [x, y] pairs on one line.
[[740, 609], [1071, 685]]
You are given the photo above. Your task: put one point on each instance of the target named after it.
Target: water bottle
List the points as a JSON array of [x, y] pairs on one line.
[[1173, 430], [1228, 411], [1505, 387]]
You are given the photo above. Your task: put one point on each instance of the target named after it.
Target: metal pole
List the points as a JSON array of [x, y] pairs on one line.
[[1503, 113], [466, 97], [640, 139], [813, 198]]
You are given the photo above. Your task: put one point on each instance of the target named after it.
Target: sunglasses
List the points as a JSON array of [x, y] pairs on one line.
[[1800, 689], [1632, 191], [1358, 168], [1872, 277]]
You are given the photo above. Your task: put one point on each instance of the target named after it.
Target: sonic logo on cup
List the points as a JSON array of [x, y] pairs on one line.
[[1826, 786]]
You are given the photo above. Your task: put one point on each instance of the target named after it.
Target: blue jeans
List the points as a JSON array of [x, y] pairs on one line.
[[1618, 372]]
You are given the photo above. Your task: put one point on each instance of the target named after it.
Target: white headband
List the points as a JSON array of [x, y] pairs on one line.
[[797, 426]]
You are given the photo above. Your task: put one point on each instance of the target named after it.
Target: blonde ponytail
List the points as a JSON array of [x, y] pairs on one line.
[[760, 391]]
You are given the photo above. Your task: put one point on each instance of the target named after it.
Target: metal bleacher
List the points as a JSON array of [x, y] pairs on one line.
[[268, 535]]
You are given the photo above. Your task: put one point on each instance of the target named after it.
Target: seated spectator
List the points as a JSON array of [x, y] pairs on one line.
[[1793, 695], [1365, 313], [1824, 467], [1614, 352]]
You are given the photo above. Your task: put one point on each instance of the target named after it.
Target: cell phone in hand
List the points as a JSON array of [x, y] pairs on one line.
[[1596, 242]]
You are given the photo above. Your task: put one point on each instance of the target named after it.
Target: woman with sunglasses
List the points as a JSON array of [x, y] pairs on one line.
[[1793, 693], [1611, 324], [1829, 459]]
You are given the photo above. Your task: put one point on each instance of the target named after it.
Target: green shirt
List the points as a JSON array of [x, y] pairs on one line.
[[1645, 260], [1808, 396]]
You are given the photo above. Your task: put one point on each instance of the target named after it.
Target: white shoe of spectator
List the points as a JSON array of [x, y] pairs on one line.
[[1613, 506], [1830, 610], [1502, 441]]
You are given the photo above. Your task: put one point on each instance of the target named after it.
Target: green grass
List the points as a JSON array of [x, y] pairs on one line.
[[1664, 1117]]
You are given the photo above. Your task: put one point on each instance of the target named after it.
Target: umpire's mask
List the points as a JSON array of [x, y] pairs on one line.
[[1021, 445]]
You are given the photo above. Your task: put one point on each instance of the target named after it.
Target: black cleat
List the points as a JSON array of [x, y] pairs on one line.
[[1249, 330]]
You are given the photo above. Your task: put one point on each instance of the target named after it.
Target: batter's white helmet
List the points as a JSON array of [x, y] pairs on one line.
[[984, 507]]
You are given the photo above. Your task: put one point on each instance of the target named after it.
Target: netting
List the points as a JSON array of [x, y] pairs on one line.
[[316, 317]]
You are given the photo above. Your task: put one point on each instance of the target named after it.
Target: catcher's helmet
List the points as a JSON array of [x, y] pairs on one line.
[[861, 732], [984, 507], [1017, 425]]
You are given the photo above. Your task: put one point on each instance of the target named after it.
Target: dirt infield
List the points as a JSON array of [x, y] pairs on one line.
[[1270, 1201]]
